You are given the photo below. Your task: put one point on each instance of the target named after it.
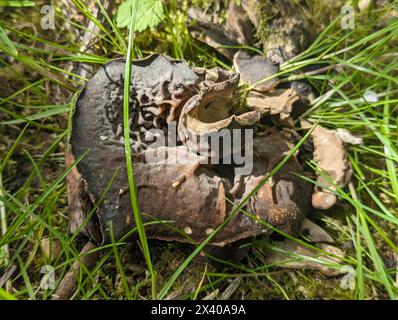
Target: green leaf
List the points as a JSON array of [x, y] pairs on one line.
[[4, 295], [149, 14], [16, 3]]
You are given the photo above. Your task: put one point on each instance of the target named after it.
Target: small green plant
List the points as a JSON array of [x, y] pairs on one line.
[[149, 14]]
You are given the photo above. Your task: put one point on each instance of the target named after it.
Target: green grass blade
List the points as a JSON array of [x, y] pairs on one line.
[[128, 152]]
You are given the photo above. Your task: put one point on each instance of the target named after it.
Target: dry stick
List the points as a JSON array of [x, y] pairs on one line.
[[230, 290], [68, 285], [4, 252], [7, 275]]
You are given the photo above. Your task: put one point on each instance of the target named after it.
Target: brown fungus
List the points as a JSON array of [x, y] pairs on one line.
[[209, 112], [284, 198], [174, 184]]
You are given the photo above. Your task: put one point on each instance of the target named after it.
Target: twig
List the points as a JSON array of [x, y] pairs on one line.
[[230, 290], [68, 284], [4, 252], [7, 275]]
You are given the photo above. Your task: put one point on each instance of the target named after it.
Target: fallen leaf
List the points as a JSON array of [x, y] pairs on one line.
[[280, 101]]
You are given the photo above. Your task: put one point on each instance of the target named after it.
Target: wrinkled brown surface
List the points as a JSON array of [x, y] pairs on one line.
[[189, 200], [194, 197], [211, 111], [284, 198], [188, 196]]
